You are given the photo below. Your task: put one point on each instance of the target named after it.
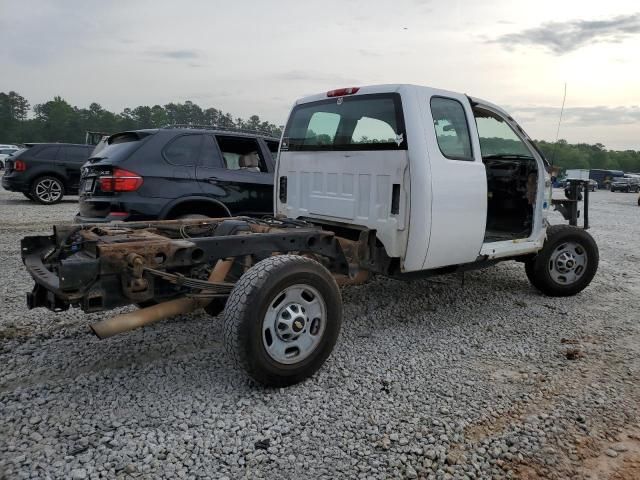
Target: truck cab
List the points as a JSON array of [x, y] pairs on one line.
[[442, 178]]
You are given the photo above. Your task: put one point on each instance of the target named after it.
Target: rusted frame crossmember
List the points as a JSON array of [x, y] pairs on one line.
[[201, 250]]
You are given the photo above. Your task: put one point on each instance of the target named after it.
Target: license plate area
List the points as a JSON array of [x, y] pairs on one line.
[[88, 184]]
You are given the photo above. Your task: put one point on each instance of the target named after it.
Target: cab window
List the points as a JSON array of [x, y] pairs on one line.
[[452, 129], [358, 122]]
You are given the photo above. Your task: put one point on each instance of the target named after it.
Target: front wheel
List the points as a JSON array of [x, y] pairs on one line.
[[47, 190], [282, 319], [566, 264]]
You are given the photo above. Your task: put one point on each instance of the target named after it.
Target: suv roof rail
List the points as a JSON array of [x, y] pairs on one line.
[[263, 133]]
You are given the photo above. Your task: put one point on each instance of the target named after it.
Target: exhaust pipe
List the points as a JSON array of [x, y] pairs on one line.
[[146, 316]]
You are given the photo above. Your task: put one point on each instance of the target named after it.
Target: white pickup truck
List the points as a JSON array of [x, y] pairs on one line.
[[398, 180]]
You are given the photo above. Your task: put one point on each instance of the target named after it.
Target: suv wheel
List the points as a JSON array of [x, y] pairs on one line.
[[47, 190], [566, 264], [282, 319]]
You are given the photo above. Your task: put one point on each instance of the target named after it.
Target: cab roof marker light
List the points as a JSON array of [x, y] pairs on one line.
[[341, 92]]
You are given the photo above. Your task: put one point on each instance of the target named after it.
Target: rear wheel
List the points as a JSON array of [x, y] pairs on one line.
[[566, 264], [47, 190], [282, 319]]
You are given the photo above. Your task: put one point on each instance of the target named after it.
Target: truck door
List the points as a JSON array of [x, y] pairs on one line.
[[458, 182]]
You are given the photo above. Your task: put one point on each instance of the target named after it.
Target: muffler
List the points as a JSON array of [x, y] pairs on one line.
[[146, 316]]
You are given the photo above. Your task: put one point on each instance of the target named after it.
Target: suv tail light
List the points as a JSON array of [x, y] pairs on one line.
[[120, 181], [341, 92], [19, 166]]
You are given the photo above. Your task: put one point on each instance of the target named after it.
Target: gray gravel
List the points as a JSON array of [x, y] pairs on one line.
[[430, 379]]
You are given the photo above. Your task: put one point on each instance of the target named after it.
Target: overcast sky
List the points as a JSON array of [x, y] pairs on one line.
[[252, 56]]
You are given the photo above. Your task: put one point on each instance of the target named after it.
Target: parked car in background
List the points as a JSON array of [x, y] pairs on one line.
[[171, 173], [5, 152], [593, 185], [625, 184], [46, 172]]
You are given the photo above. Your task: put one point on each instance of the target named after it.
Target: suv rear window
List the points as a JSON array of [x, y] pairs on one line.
[[362, 122], [119, 145]]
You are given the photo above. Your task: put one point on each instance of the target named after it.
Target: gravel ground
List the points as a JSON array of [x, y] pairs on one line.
[[429, 379]]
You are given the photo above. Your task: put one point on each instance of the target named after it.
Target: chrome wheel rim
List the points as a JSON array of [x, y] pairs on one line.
[[48, 190], [294, 324], [567, 263]]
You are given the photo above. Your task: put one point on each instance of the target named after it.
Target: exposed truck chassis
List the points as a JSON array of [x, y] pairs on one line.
[[178, 266], [101, 267]]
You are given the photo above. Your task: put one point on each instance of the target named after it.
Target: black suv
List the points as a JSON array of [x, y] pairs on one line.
[[45, 172], [171, 173]]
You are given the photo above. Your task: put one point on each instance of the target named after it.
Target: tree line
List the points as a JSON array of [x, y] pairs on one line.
[[59, 121]]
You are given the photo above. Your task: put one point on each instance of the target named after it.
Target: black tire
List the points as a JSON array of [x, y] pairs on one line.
[[47, 190], [539, 268], [258, 290]]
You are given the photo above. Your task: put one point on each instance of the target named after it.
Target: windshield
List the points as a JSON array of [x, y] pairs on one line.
[[362, 122]]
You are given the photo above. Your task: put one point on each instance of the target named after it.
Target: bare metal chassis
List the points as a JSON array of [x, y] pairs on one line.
[[103, 266]]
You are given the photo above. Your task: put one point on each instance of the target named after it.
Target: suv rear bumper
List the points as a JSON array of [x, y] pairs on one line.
[[128, 207], [14, 184]]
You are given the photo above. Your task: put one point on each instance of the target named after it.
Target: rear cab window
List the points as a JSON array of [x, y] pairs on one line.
[[358, 122], [452, 129]]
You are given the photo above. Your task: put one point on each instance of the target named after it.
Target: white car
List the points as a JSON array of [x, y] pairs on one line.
[[6, 151]]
